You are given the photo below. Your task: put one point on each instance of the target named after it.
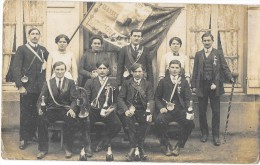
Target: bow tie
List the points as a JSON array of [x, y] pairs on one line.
[[175, 54]]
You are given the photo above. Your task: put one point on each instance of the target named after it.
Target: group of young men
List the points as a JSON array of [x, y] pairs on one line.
[[129, 101]]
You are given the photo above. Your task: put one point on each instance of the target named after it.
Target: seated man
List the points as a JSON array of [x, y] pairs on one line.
[[59, 95], [135, 94], [101, 97], [172, 98]]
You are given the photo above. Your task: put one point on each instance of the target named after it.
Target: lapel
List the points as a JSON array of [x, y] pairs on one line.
[[97, 84], [169, 82], [54, 87], [65, 84], [130, 52]]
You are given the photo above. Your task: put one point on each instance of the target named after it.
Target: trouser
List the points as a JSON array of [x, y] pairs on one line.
[[215, 106], [28, 115], [50, 117], [84, 126], [137, 133], [113, 124], [179, 116]]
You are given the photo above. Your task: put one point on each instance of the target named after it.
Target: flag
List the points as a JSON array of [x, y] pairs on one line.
[[114, 22]]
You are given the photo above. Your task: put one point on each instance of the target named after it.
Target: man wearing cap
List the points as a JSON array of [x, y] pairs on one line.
[[29, 76], [209, 73]]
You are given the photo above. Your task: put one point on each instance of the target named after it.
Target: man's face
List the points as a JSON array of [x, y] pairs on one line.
[[175, 46], [136, 38], [102, 71], [34, 36], [96, 44], [174, 69], [138, 73], [62, 44], [60, 71], [207, 42]]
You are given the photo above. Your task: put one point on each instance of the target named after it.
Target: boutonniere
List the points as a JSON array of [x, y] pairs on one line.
[[215, 60]]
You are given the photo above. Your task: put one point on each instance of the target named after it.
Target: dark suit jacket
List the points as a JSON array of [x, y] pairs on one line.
[[67, 96], [92, 87], [164, 91], [124, 61], [22, 61], [221, 72], [127, 93]]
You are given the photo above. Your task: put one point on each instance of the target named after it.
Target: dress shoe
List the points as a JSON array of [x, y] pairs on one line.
[[204, 138], [143, 156], [41, 154], [109, 157], [68, 153], [129, 156], [88, 151], [168, 151], [23, 144], [176, 150], [216, 141]]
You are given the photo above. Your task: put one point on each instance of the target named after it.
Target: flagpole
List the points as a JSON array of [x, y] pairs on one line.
[[81, 22]]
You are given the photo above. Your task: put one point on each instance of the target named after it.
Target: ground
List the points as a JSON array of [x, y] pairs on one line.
[[240, 148]]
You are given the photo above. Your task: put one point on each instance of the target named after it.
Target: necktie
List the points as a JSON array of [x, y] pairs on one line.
[[59, 86], [101, 81], [135, 48], [207, 50]]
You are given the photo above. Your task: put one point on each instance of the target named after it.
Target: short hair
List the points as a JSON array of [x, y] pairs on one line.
[[58, 63], [99, 63], [96, 37], [57, 39], [135, 66], [207, 34], [32, 29], [136, 30], [176, 39], [175, 62]]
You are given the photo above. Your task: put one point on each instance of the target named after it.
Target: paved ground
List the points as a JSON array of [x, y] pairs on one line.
[[239, 148]]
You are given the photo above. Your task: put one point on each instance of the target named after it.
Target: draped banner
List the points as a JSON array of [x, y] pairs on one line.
[[114, 21]]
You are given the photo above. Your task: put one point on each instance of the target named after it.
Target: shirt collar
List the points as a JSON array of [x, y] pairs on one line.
[[133, 46], [102, 79], [58, 79], [137, 81], [32, 44], [210, 49]]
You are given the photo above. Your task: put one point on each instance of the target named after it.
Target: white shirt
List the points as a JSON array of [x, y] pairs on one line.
[[137, 46], [32, 44], [174, 78], [102, 80], [207, 51], [57, 81], [137, 81]]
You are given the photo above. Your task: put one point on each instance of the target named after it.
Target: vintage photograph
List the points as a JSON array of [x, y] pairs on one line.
[[130, 82]]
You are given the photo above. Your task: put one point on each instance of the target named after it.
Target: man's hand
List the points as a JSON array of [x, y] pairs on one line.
[[213, 86], [129, 113], [150, 118], [71, 113], [108, 111], [22, 90], [40, 112], [163, 110], [194, 90], [93, 75]]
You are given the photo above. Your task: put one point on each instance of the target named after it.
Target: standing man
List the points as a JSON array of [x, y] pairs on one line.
[[209, 73], [101, 97], [87, 63], [131, 54], [60, 98], [29, 76], [172, 99], [133, 100]]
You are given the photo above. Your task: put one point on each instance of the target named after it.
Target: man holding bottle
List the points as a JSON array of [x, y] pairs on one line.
[[59, 95], [172, 100], [135, 100]]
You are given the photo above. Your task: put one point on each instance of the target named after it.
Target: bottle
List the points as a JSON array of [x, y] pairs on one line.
[[190, 114], [147, 112], [43, 105]]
